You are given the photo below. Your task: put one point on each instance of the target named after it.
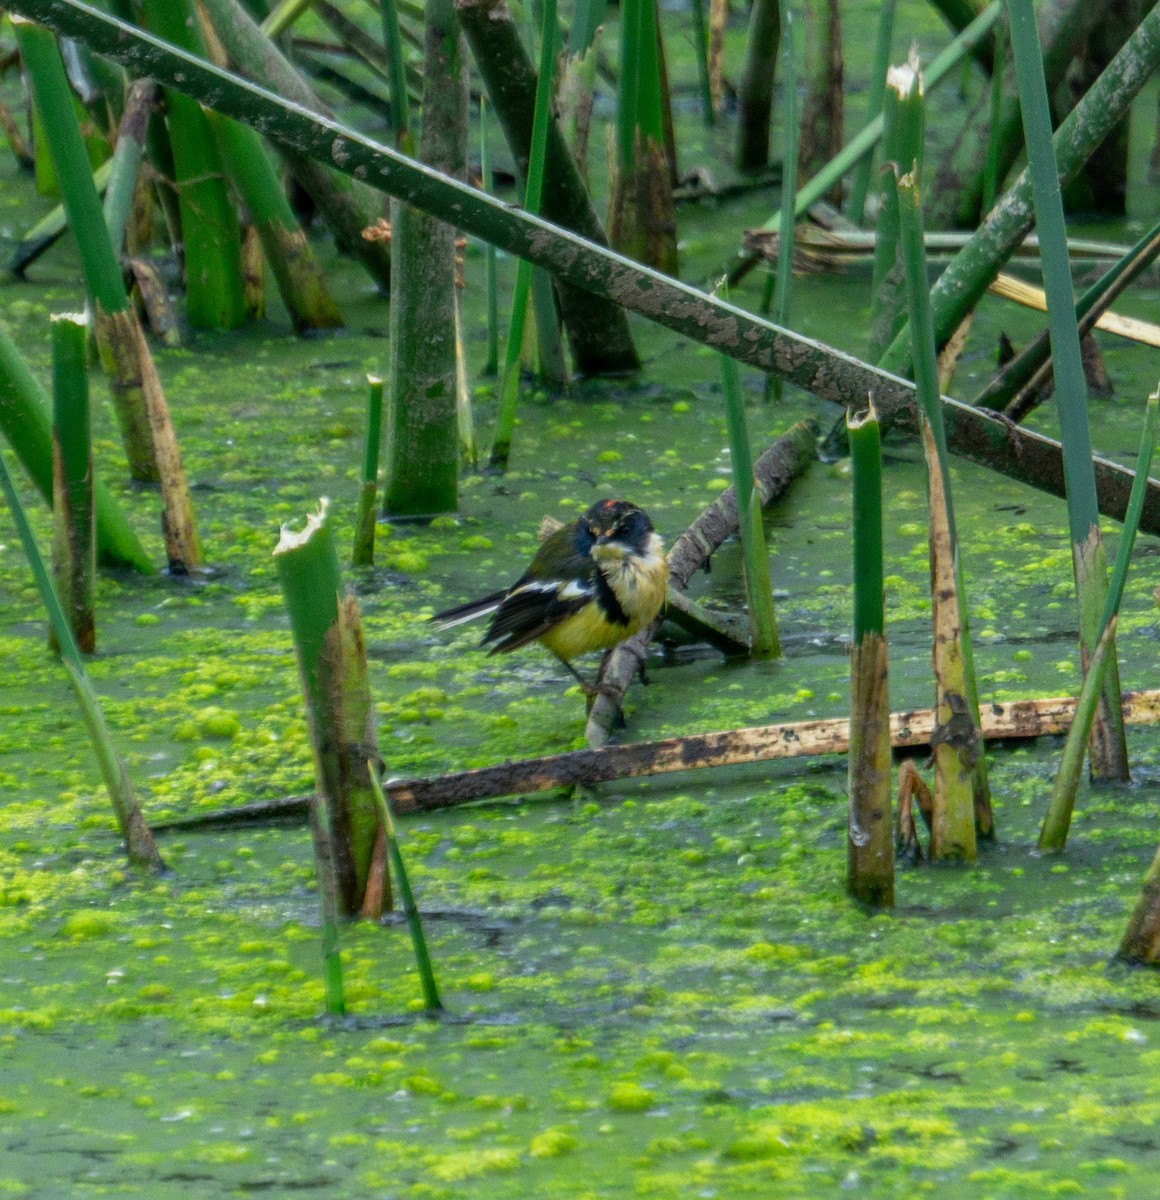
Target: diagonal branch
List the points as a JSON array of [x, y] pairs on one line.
[[813, 366]]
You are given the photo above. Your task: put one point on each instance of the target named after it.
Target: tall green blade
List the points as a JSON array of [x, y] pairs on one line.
[[1109, 757], [533, 187]]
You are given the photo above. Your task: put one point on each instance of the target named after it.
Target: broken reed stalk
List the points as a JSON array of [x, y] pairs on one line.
[[763, 637], [102, 270], [860, 183], [576, 92], [1053, 835], [74, 544], [533, 191], [332, 667], [869, 837], [1108, 753], [209, 224], [960, 771], [1141, 940], [139, 844], [422, 451], [363, 553], [903, 115], [819, 369], [146, 431], [863, 142], [431, 1001], [300, 280], [26, 422]]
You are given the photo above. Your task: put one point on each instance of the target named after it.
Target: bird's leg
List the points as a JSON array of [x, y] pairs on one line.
[[584, 684], [592, 690]]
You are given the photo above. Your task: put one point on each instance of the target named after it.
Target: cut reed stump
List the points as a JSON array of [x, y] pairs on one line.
[[332, 664], [869, 853], [1015, 720], [74, 543], [363, 551]]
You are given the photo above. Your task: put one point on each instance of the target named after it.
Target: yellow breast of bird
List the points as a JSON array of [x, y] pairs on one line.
[[637, 580], [586, 630]]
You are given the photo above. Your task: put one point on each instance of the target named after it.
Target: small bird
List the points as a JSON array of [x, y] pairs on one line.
[[591, 585]]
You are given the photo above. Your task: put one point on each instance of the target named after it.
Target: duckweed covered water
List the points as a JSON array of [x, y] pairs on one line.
[[657, 989]]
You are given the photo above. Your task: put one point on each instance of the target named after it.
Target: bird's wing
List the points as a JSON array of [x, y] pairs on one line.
[[532, 608]]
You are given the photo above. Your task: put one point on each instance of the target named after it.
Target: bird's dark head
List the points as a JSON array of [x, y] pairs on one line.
[[618, 523]]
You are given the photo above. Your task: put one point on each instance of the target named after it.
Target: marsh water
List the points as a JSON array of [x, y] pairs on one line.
[[656, 988]]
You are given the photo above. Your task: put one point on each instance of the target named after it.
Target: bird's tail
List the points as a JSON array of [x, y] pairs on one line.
[[450, 617]]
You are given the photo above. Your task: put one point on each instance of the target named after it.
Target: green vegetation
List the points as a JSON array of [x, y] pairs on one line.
[[709, 983]]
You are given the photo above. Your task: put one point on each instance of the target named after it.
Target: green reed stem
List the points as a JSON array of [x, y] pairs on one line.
[[431, 999], [860, 183], [284, 16], [701, 54], [866, 472], [1056, 823], [991, 178], [138, 838], [363, 553], [396, 71], [790, 120], [533, 189], [1088, 556], [491, 366], [904, 116], [759, 589]]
